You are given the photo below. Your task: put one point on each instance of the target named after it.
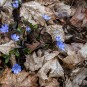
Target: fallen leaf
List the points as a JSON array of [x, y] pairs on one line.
[[78, 17], [55, 30], [5, 48], [83, 51], [62, 10], [33, 11], [35, 61], [6, 12], [33, 46], [22, 79], [51, 68]]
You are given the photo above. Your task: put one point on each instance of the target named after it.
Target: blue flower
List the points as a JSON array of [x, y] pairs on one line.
[[15, 4], [28, 29], [4, 28], [15, 37], [58, 38], [61, 45], [46, 17], [16, 68]]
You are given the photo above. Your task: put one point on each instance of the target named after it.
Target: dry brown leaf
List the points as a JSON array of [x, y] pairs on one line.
[[73, 57], [22, 79], [51, 82], [2, 2], [79, 77], [36, 61], [51, 68], [6, 12], [47, 2], [33, 11], [33, 46], [5, 48], [62, 10], [77, 19], [56, 30]]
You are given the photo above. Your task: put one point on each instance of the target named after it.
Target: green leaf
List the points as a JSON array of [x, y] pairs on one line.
[[15, 52], [6, 57], [35, 26], [26, 51]]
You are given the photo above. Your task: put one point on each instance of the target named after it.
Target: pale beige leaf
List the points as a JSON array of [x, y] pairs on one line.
[[53, 67], [33, 11], [56, 30], [5, 48], [83, 51], [35, 62], [6, 13]]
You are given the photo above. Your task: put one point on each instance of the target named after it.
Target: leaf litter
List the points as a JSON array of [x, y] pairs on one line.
[[52, 24]]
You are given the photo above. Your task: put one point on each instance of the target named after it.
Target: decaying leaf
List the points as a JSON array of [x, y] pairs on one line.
[[5, 48], [83, 51], [6, 12], [76, 78], [56, 30], [72, 59], [47, 2], [62, 10], [33, 46], [22, 79], [2, 2], [36, 61], [51, 68], [79, 16], [33, 11], [51, 82], [79, 77]]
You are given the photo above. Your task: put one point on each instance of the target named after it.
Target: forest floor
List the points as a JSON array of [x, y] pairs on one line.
[[43, 43]]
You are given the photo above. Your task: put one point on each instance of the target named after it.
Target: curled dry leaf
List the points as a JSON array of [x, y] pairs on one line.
[[22, 79], [33, 11], [56, 30], [36, 61], [5, 48], [51, 68], [6, 12], [83, 51]]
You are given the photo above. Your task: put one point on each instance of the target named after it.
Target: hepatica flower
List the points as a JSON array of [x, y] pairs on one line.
[[4, 28], [15, 37], [60, 43], [46, 17], [28, 29], [58, 38], [15, 4], [16, 68]]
